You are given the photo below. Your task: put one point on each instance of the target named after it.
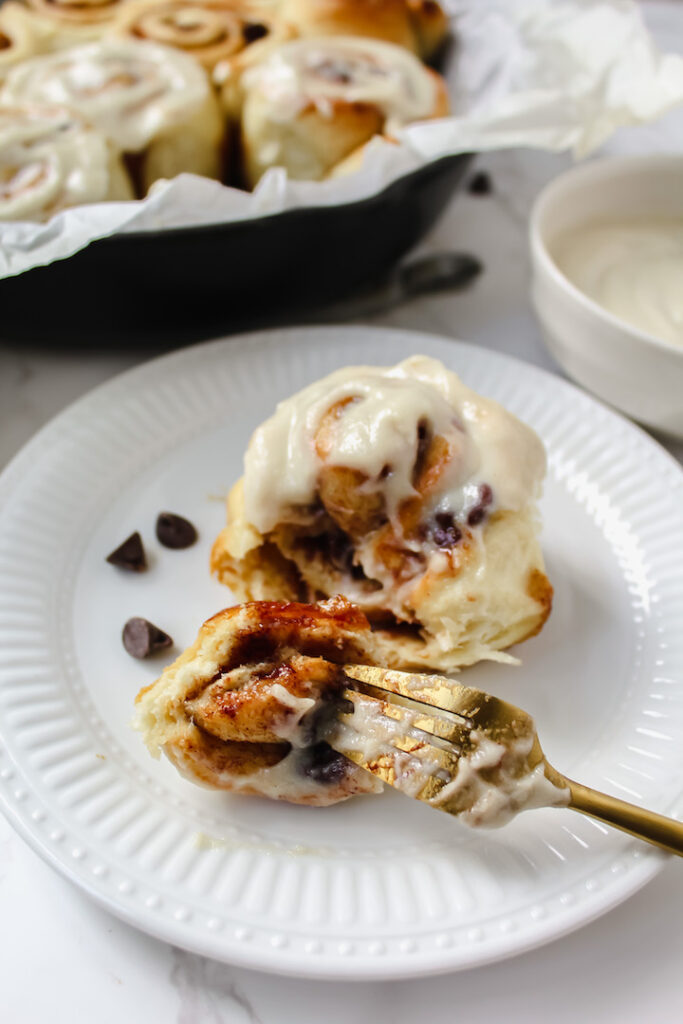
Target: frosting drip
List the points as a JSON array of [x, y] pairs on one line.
[[379, 421]]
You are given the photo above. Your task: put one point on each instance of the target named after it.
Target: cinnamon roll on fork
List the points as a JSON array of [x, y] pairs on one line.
[[245, 708]]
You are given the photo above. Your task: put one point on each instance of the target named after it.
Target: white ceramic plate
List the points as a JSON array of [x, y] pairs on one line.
[[377, 887]]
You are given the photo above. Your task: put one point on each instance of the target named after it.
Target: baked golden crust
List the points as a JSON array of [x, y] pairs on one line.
[[417, 25], [430, 24], [243, 708], [389, 20], [77, 14]]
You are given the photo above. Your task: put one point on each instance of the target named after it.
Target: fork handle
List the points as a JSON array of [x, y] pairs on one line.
[[653, 828]]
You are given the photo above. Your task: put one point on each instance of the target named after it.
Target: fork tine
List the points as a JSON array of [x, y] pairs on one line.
[[483, 710], [403, 758], [454, 734], [445, 725]]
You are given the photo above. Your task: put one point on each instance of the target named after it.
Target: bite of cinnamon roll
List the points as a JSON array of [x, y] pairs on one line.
[[314, 102], [408, 493], [246, 708]]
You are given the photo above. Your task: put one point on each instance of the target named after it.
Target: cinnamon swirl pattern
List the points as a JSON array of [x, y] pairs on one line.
[[21, 36], [51, 159], [247, 706], [153, 102], [314, 102], [409, 494], [233, 31]]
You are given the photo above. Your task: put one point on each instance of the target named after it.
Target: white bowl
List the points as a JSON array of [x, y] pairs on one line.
[[630, 369]]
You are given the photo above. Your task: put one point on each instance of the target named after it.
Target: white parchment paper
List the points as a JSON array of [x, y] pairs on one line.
[[550, 74]]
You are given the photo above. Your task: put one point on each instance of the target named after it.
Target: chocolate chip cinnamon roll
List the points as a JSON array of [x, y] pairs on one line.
[[418, 25], [409, 494], [233, 31], [50, 159], [313, 102], [244, 708], [154, 103]]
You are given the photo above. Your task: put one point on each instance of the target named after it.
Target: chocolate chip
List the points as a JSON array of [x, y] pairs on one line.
[[251, 31], [130, 555], [446, 533], [175, 532], [480, 184], [423, 442], [446, 538], [476, 514], [323, 764], [142, 638]]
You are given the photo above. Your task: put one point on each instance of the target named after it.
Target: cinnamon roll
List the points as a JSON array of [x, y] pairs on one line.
[[155, 103], [418, 25], [431, 26], [21, 36], [406, 492], [232, 31], [50, 159], [313, 102], [245, 707], [85, 14]]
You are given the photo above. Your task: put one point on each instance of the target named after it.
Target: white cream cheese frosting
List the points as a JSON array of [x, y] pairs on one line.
[[384, 410], [633, 269], [131, 91], [322, 71], [51, 159]]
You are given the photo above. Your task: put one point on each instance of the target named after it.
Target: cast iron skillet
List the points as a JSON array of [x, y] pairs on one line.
[[179, 285]]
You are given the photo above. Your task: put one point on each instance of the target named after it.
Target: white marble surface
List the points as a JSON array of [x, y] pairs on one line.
[[63, 955]]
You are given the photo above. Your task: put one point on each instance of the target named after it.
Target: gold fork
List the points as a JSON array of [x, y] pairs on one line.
[[467, 753]]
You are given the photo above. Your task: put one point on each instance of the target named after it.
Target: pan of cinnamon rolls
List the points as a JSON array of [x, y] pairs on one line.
[[226, 89]]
